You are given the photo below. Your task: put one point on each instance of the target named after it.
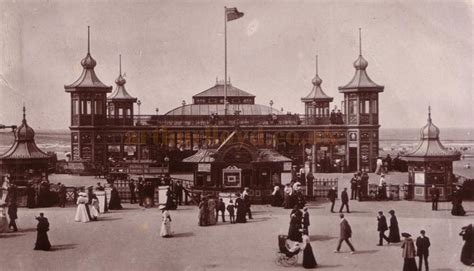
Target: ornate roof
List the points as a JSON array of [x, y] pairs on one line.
[[120, 93], [24, 146], [88, 79], [218, 91], [317, 93], [430, 148], [208, 109], [361, 80]]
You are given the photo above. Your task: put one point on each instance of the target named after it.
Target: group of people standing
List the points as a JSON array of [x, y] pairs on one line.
[[289, 197], [87, 207], [299, 232], [210, 207]]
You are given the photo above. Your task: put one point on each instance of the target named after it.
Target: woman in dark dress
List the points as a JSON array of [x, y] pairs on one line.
[[296, 217], [115, 203], [308, 257], [394, 235], [203, 212], [241, 209], [408, 254], [30, 196], [169, 200], [467, 252], [42, 241], [277, 199], [457, 209]]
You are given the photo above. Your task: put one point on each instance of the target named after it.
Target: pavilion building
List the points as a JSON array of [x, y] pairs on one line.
[[430, 163]]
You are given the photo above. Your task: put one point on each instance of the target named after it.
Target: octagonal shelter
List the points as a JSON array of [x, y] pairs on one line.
[[24, 161], [236, 164], [430, 163]]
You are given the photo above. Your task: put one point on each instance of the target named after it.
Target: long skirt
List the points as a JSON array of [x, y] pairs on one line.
[[308, 257], [409, 264], [42, 241], [81, 213], [212, 217], [3, 224], [165, 229], [294, 233], [94, 210], [458, 210], [241, 215], [394, 235], [467, 252]]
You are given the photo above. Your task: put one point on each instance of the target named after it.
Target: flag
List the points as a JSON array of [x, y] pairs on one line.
[[233, 14]]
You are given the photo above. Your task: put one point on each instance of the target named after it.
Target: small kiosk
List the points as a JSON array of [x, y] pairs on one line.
[[235, 165], [430, 163]]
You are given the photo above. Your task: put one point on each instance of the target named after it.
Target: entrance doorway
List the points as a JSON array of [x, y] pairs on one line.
[[352, 159]]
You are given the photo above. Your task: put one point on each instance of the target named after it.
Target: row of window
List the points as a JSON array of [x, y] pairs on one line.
[[85, 107], [365, 107]]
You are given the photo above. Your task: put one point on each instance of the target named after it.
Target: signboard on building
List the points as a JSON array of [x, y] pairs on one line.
[[204, 167]]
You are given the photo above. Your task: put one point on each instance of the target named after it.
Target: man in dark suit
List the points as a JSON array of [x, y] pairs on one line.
[[62, 195], [434, 192], [345, 235], [354, 183], [305, 219], [140, 191], [381, 228], [344, 200], [422, 250], [178, 190], [332, 197], [131, 186]]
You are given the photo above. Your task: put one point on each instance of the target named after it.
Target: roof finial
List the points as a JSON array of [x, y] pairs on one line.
[[429, 112], [24, 112], [120, 65], [316, 64], [360, 41], [88, 39]]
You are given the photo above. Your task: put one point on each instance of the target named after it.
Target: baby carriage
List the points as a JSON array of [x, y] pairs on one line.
[[287, 255]]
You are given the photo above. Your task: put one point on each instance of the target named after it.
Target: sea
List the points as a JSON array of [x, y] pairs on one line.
[[391, 140]]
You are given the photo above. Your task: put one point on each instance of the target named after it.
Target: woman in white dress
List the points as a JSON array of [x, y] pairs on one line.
[[3, 219], [81, 211], [165, 223], [94, 208]]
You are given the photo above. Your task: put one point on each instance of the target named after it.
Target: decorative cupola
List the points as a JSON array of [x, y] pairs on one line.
[[361, 94], [430, 164], [88, 94], [120, 103], [317, 102]]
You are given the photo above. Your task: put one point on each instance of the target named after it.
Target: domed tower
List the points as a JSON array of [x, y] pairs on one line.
[[361, 103], [316, 103], [430, 163], [24, 161], [120, 103], [88, 101]]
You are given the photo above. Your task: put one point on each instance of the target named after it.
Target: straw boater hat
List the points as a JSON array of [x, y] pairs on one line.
[[406, 234]]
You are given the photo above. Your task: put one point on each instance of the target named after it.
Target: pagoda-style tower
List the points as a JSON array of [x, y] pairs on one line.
[[316, 103], [430, 163], [88, 110], [24, 161], [120, 103], [361, 115]]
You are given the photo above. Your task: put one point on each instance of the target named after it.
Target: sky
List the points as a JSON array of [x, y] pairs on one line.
[[421, 51]]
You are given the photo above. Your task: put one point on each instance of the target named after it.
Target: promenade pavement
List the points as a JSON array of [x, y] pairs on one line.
[[129, 239]]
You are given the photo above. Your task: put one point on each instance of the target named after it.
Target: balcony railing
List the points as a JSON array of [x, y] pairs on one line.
[[219, 120]]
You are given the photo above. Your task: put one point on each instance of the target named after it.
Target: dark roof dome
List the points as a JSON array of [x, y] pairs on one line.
[[24, 132], [120, 80], [429, 131], [88, 62], [361, 63]]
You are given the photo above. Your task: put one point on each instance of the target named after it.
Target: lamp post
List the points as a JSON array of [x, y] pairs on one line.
[[167, 161], [271, 106], [139, 103], [314, 111]]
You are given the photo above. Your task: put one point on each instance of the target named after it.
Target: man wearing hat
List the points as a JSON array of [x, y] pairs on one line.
[[381, 228], [422, 250], [332, 197], [434, 192], [345, 235]]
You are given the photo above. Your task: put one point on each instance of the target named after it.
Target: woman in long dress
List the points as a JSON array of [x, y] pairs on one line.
[[115, 203], [458, 209], [408, 253], [42, 240], [165, 223], [467, 252], [286, 196], [394, 234], [81, 211], [169, 200], [94, 210], [296, 218], [211, 208], [241, 209], [203, 213], [276, 197], [308, 257], [3, 220]]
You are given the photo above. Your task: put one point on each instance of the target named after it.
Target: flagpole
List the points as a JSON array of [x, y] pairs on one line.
[[225, 60]]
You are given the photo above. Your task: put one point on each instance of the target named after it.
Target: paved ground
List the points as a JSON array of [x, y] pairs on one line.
[[129, 240]]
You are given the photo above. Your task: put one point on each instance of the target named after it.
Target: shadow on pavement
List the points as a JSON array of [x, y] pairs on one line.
[[107, 219], [366, 251], [27, 230], [443, 269], [63, 247], [183, 234], [10, 235], [321, 238], [322, 266]]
